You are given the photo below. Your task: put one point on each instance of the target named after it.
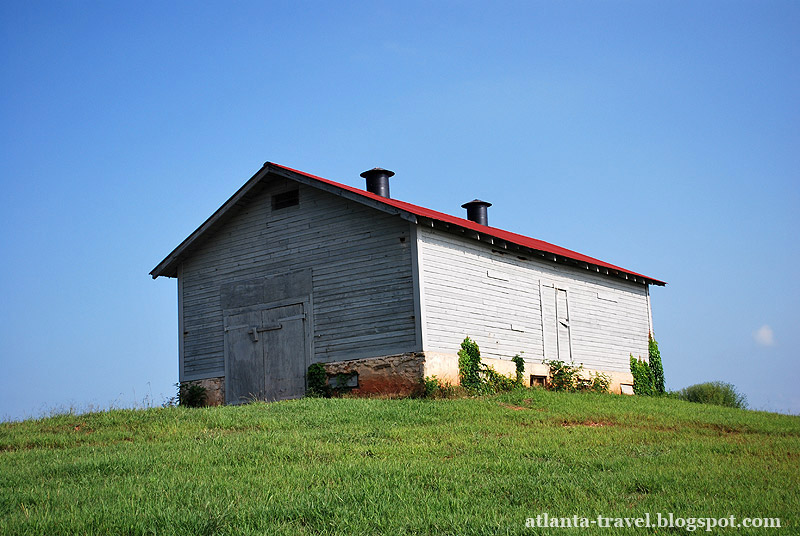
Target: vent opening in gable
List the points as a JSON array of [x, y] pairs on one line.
[[286, 199]]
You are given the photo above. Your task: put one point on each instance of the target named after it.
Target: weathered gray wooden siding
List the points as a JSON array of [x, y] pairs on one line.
[[362, 299], [494, 298]]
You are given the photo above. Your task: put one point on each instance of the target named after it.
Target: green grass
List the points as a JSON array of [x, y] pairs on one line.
[[358, 466]]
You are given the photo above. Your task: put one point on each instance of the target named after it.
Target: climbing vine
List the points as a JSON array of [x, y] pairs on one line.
[[654, 358], [478, 378], [317, 381], [642, 377], [648, 376], [469, 365], [519, 364]]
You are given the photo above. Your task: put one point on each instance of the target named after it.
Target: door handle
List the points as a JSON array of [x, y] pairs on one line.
[[254, 331]]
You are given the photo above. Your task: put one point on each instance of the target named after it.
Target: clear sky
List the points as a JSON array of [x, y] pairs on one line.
[[659, 136]]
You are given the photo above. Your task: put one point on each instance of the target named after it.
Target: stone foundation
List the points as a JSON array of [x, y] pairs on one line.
[[215, 390], [399, 374]]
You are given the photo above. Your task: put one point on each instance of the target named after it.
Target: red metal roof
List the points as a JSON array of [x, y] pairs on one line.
[[507, 236]]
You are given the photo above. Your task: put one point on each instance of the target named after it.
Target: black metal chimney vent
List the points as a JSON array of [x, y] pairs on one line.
[[476, 211], [378, 181]]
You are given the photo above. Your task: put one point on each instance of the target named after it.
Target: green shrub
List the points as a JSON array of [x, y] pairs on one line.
[[494, 382], [599, 382], [478, 378], [191, 395], [564, 377], [654, 360], [430, 386], [317, 381], [716, 393], [648, 376], [433, 387], [642, 377], [469, 365]]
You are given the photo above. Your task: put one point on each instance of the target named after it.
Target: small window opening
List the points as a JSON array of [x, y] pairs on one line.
[[286, 199], [343, 380], [538, 381]]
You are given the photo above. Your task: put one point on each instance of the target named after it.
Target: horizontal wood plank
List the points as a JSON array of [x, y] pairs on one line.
[[362, 284], [494, 298]]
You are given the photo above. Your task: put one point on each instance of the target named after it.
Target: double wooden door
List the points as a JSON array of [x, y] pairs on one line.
[[265, 353]]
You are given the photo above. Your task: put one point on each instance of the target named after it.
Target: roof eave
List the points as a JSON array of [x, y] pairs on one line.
[[484, 234], [169, 266]]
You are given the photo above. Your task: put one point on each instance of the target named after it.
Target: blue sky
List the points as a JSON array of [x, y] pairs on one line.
[[659, 136]]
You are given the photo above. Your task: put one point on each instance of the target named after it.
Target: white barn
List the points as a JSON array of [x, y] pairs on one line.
[[295, 269]]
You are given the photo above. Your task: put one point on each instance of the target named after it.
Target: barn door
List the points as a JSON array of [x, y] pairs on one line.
[[265, 352], [556, 335], [564, 341], [244, 356], [284, 352]]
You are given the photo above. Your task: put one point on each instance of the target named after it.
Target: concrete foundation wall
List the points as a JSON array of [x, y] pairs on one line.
[[445, 367]]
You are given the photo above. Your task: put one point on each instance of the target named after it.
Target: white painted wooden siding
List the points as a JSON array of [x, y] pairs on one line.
[[363, 303], [495, 299]]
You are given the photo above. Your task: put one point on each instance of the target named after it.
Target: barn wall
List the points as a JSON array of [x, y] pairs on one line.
[[362, 290], [494, 298]]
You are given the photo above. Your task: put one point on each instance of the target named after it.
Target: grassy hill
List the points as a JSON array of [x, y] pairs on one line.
[[358, 466]]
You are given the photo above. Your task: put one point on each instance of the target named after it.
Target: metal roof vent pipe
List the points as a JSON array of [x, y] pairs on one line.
[[378, 181], [476, 211]]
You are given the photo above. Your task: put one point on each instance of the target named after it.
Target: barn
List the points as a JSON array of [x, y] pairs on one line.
[[295, 269]]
